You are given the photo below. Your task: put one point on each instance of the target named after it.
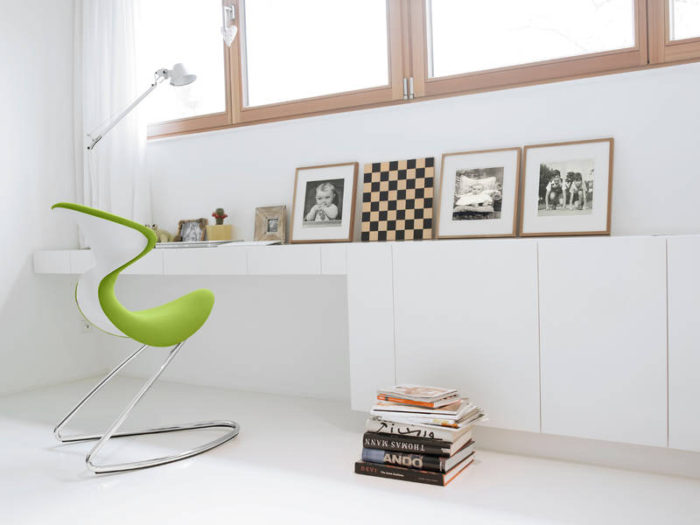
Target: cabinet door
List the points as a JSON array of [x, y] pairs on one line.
[[603, 338], [466, 317], [370, 322], [683, 343]]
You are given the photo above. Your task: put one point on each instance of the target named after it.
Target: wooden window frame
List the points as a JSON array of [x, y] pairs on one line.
[[408, 59], [522, 74], [661, 48], [324, 103]]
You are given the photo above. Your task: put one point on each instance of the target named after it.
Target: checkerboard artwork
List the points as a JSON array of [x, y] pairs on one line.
[[397, 200]]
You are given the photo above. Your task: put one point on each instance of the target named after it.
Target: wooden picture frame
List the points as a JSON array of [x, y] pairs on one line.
[[323, 207], [185, 225], [497, 213], [271, 223], [582, 206]]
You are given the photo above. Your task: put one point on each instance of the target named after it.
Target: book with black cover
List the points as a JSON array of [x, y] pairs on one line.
[[410, 474], [414, 445], [417, 461]]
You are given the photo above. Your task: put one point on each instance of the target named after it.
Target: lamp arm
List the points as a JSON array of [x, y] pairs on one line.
[[161, 75]]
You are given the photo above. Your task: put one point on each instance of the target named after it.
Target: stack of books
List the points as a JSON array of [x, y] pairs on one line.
[[419, 433]]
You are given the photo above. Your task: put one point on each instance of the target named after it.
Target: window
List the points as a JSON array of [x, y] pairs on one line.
[[469, 45], [465, 37], [684, 19], [187, 31], [315, 49], [314, 55], [674, 30], [307, 57]]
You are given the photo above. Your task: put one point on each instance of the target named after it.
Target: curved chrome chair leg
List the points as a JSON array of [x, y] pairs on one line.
[[112, 431]]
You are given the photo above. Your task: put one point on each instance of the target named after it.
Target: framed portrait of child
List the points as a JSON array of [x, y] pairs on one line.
[[479, 194], [567, 188], [324, 203]]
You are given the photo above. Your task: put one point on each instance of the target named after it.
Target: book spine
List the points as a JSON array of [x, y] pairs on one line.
[[416, 461], [405, 444], [411, 430], [394, 472], [401, 401]]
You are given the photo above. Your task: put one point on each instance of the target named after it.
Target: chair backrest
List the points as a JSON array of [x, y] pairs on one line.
[[116, 243]]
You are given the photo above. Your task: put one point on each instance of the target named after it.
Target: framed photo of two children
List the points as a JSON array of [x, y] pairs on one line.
[[567, 188]]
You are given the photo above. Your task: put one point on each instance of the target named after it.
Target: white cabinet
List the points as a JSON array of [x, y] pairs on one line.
[[284, 260], [466, 317], [684, 343], [204, 261], [370, 322], [603, 338]]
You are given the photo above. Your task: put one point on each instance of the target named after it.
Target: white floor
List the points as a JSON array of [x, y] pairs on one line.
[[291, 463]]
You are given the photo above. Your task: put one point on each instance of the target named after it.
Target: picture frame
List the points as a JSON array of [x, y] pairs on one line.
[[271, 223], [323, 208], [479, 194], [567, 188], [191, 230]]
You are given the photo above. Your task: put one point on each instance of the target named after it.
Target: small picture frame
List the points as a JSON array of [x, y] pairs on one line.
[[567, 188], [479, 194], [271, 223], [191, 230], [323, 207]]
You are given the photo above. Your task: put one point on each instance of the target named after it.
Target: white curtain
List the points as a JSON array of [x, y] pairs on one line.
[[112, 176]]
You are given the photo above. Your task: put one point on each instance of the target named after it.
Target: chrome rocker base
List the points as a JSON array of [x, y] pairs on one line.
[[112, 431]]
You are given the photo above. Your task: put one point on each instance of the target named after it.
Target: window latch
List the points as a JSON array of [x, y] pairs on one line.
[[229, 29]]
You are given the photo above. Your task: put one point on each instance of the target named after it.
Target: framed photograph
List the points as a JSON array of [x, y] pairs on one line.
[[397, 200], [192, 230], [324, 203], [567, 188], [479, 194], [271, 223]]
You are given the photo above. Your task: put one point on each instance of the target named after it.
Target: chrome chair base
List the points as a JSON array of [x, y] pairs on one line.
[[102, 439]]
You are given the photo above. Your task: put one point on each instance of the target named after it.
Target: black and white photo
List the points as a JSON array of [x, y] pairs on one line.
[[273, 225], [479, 193], [323, 203], [192, 230], [567, 188], [324, 200]]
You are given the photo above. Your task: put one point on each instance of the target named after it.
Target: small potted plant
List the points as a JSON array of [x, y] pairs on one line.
[[219, 231]]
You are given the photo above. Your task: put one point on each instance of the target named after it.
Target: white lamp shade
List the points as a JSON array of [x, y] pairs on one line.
[[179, 77]]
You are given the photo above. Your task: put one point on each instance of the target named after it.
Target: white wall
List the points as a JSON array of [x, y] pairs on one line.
[[653, 116], [40, 341]]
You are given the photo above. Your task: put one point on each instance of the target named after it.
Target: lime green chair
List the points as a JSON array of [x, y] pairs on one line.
[[117, 243]]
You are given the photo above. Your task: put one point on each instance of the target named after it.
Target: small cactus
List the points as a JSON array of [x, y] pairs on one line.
[[219, 215]]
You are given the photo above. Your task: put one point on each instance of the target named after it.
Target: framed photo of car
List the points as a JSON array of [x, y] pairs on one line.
[[479, 194]]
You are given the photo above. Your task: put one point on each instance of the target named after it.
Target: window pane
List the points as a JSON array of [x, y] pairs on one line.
[[476, 35], [684, 19], [187, 31], [307, 48]]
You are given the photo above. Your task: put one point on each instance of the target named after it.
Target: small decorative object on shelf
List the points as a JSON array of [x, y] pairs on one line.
[[271, 223], [219, 231], [567, 188], [397, 200], [162, 235], [219, 215], [191, 230], [419, 433]]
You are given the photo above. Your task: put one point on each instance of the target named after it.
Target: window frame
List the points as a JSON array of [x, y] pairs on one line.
[[408, 59], [522, 74], [662, 49], [320, 104]]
